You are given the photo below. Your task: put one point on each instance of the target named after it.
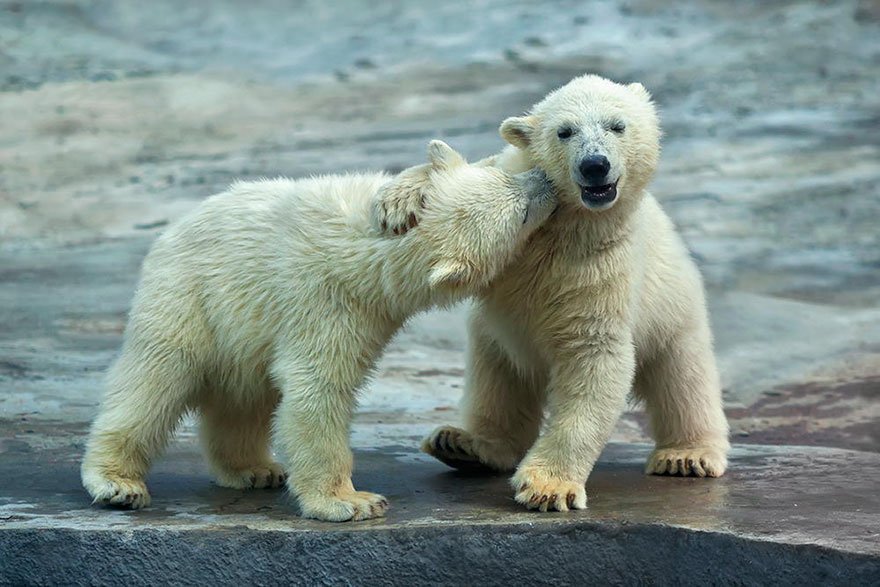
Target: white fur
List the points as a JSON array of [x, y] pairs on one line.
[[278, 297], [601, 302]]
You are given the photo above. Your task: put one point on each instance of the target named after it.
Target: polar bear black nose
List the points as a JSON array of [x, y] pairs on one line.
[[594, 169]]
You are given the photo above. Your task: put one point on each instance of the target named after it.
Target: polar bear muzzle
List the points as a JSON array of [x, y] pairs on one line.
[[597, 192], [600, 197]]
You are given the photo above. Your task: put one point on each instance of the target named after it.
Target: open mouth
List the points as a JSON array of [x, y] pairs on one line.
[[598, 196]]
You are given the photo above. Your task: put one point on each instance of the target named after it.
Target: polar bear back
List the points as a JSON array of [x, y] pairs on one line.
[[257, 261]]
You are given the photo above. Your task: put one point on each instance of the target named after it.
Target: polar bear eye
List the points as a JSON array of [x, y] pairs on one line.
[[617, 127], [565, 132]]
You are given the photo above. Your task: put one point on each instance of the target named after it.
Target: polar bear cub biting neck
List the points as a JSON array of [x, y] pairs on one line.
[[277, 298]]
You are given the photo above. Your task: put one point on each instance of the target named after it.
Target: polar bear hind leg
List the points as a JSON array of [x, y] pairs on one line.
[[237, 442], [147, 395], [502, 412]]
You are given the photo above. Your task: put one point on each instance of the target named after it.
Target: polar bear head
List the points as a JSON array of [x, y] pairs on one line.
[[598, 141], [473, 219]]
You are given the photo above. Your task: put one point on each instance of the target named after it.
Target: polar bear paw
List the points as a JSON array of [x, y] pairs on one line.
[[454, 447], [118, 491], [463, 451], [537, 490], [344, 506], [398, 212], [687, 461], [264, 476]]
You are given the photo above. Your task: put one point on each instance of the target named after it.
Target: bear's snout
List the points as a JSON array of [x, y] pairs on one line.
[[594, 169], [598, 191]]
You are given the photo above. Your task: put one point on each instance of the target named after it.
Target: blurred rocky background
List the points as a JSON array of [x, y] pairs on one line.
[[118, 117]]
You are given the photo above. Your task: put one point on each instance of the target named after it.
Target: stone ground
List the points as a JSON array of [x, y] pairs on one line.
[[117, 117]]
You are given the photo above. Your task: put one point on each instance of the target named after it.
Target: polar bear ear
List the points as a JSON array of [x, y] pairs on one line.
[[442, 156], [640, 91], [518, 130], [449, 274]]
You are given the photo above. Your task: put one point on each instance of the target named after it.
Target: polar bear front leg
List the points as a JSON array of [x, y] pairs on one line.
[[313, 424], [682, 393], [399, 203], [586, 396]]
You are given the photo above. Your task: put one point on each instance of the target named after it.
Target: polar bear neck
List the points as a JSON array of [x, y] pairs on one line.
[[582, 231], [400, 268], [339, 250], [393, 270]]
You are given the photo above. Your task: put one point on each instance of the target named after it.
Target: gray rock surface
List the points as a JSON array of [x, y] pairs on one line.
[[772, 516], [117, 117]]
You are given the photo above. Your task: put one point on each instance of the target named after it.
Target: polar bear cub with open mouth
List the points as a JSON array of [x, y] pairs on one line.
[[604, 300], [277, 298]]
